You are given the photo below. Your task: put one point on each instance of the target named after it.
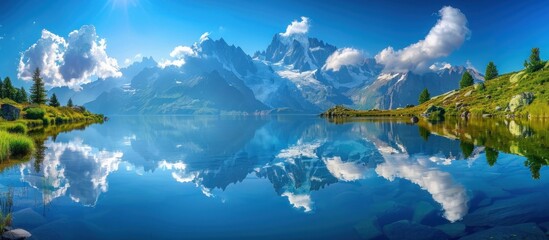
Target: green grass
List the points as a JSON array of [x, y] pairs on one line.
[[17, 128], [37, 121], [496, 93], [34, 113], [14, 145]]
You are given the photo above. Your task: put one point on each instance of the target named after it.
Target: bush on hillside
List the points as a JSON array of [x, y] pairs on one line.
[[35, 113]]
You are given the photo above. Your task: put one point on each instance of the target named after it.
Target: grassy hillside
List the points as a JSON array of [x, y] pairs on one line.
[[493, 99], [18, 138]]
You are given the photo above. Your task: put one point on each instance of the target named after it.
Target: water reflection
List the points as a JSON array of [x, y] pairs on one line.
[[296, 156], [72, 168]]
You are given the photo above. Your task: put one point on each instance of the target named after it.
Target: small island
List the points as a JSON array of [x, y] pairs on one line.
[[522, 94], [28, 119]]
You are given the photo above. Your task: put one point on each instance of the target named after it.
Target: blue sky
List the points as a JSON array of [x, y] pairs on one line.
[[502, 32]]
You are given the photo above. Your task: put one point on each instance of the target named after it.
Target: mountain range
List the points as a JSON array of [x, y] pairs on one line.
[[290, 76]]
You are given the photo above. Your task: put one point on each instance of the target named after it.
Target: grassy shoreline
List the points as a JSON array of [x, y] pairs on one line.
[[18, 138]]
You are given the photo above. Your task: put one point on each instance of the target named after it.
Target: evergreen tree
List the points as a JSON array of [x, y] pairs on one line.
[[467, 149], [466, 80], [491, 156], [1, 89], [424, 133], [69, 103], [23, 95], [535, 62], [424, 96], [534, 56], [53, 101], [38, 92], [8, 91], [491, 71], [17, 96]]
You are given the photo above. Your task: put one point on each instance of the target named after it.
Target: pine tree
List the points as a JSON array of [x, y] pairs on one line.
[[17, 96], [1, 89], [23, 95], [424, 96], [491, 156], [491, 71], [53, 101], [534, 56], [69, 103], [535, 62], [38, 92], [8, 91], [466, 80]]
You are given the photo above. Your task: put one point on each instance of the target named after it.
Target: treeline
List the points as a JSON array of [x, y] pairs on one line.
[[37, 95], [7, 90]]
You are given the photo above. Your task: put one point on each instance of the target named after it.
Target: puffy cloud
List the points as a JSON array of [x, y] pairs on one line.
[[417, 169], [182, 51], [300, 201], [179, 53], [345, 171], [447, 35], [204, 37], [47, 54], [176, 62], [61, 171], [297, 27], [129, 61], [344, 57], [68, 62]]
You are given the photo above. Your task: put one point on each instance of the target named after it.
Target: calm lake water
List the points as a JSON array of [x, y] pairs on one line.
[[284, 178]]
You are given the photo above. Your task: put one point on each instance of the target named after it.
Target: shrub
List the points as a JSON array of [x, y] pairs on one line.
[[14, 145], [35, 113], [17, 128]]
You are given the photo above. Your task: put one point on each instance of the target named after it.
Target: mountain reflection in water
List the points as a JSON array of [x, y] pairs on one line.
[[392, 163]]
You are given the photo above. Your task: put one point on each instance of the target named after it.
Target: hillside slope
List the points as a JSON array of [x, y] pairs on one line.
[[518, 94]]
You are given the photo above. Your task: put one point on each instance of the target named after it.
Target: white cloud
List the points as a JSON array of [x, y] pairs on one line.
[[344, 57], [297, 27], [418, 170], [182, 51], [345, 171], [300, 201], [447, 35], [46, 54], [129, 61], [176, 62], [68, 62], [204, 37], [61, 171], [470, 65]]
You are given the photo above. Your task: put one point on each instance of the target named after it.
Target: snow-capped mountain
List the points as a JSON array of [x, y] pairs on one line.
[[290, 76], [398, 89], [301, 53], [208, 83], [92, 90]]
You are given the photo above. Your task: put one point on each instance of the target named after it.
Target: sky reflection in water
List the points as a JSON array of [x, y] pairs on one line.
[[180, 173]]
